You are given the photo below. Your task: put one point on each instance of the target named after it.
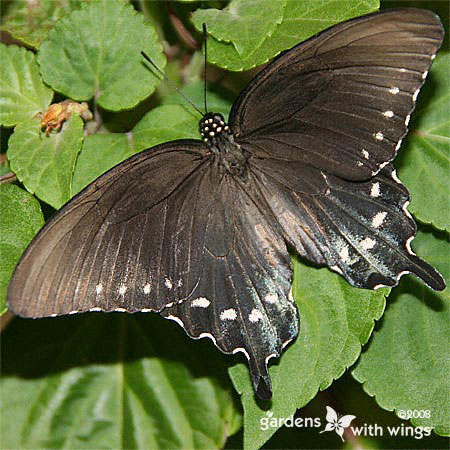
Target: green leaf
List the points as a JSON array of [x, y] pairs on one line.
[[22, 92], [44, 164], [245, 24], [218, 100], [335, 320], [112, 381], [423, 163], [30, 22], [163, 124], [95, 52], [301, 20], [100, 152], [20, 220], [406, 365]]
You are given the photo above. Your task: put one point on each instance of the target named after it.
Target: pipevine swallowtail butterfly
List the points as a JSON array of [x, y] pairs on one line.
[[197, 230]]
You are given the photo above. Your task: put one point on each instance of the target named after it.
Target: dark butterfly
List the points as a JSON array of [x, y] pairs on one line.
[[197, 230]]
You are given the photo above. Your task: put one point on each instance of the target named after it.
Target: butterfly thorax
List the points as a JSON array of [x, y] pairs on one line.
[[219, 138]]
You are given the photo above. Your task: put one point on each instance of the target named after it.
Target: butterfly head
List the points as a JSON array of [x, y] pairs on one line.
[[212, 126]]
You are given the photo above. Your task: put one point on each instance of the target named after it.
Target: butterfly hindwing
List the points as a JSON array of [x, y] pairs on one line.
[[359, 229], [242, 298], [341, 101]]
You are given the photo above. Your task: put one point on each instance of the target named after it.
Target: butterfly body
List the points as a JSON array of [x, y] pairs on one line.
[[198, 230]]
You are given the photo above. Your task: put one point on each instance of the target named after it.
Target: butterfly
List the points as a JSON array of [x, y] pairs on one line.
[[197, 230]]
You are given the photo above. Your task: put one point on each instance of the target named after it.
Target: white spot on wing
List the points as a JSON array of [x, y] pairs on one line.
[[343, 254], [375, 190], [394, 90], [290, 296], [378, 219], [147, 288], [365, 153], [95, 309], [367, 243], [120, 310], [408, 246], [336, 269], [272, 355], [207, 335], [242, 350], [168, 283], [359, 163], [395, 177], [146, 310], [379, 136], [388, 114], [271, 298], [200, 302], [286, 343], [122, 289], [175, 319], [180, 283], [407, 119], [255, 315], [424, 75], [415, 95], [405, 209], [99, 288], [228, 314]]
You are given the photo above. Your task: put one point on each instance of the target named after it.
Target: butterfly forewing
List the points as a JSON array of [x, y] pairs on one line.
[[131, 240], [340, 102]]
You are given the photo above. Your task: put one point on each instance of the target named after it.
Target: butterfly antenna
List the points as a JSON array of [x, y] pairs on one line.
[[205, 40], [170, 81]]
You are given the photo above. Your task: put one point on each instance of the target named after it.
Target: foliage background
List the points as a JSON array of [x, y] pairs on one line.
[[118, 381]]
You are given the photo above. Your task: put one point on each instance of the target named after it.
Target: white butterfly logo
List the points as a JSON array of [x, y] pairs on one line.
[[337, 423]]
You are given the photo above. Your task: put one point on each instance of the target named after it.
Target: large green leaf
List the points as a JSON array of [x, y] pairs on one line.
[[335, 320], [112, 381], [406, 365], [95, 52], [301, 20], [423, 163], [30, 22], [22, 92], [43, 163], [20, 220], [243, 23]]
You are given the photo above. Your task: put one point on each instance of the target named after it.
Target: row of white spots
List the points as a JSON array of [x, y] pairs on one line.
[[343, 254], [379, 136], [200, 302], [231, 314], [271, 298], [255, 315], [378, 219], [375, 190], [169, 283], [367, 243], [228, 314]]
